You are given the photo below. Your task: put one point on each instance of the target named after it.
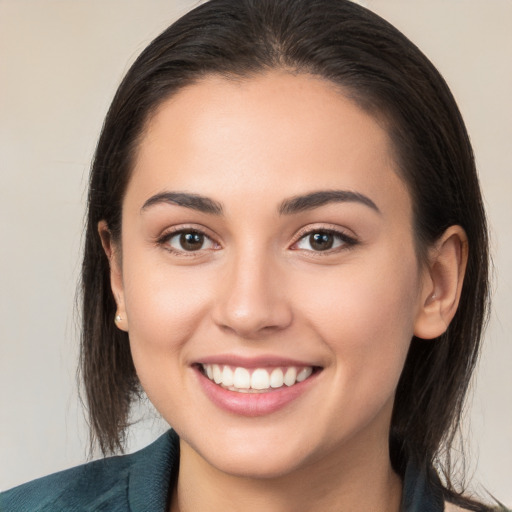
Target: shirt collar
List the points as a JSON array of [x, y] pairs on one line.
[[420, 493]]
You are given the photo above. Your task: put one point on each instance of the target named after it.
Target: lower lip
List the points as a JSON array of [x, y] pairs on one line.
[[253, 404]]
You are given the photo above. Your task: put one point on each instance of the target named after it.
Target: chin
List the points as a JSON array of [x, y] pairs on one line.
[[256, 464], [249, 457]]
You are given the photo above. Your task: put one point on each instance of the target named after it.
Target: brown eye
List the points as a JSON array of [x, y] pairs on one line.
[[321, 241], [189, 241]]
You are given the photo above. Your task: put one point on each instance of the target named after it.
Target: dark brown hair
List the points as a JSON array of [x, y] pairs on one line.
[[386, 75]]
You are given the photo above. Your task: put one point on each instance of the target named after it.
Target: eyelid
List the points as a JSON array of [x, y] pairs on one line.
[[349, 240], [167, 234]]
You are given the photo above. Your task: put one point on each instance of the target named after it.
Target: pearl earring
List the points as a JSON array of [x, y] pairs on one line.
[[117, 319]]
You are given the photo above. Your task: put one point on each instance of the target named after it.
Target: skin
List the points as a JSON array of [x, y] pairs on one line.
[[258, 287]]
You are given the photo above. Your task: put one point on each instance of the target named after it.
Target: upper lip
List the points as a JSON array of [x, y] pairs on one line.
[[253, 362]]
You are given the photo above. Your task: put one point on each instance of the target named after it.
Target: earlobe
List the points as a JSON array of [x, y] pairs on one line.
[[442, 283], [116, 278]]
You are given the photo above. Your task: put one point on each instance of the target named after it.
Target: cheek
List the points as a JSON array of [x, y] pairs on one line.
[[366, 320], [160, 296], [164, 306], [366, 317], [364, 298], [164, 310]]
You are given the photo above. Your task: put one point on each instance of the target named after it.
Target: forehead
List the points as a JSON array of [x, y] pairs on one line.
[[273, 133]]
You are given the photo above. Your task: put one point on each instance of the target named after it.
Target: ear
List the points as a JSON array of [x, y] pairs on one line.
[[116, 277], [442, 283]]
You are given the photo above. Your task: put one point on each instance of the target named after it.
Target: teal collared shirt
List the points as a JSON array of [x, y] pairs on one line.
[[140, 482]]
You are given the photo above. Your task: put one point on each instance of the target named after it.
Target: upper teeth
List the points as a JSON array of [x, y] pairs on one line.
[[241, 379]]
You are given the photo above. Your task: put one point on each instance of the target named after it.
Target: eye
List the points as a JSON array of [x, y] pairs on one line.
[[189, 241], [323, 240]]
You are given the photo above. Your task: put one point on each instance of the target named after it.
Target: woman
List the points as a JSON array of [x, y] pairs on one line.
[[286, 249]]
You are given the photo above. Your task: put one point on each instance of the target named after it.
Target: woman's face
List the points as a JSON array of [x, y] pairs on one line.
[[267, 244]]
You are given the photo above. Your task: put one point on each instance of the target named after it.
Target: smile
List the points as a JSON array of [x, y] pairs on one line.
[[255, 380]]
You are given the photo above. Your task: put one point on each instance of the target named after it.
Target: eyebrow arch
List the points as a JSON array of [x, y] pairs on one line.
[[193, 201], [288, 207], [322, 197]]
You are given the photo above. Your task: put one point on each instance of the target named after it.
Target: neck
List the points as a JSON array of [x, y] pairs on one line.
[[360, 480]]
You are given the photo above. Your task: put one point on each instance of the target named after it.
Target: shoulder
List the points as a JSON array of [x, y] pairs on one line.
[[115, 484], [72, 487]]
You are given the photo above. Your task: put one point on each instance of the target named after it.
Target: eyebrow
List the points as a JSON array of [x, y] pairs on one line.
[[322, 197], [193, 201], [290, 206]]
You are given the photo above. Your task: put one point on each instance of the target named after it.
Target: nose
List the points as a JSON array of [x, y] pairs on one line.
[[252, 302]]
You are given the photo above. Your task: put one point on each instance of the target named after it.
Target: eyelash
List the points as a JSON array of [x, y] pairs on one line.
[[165, 239], [346, 241]]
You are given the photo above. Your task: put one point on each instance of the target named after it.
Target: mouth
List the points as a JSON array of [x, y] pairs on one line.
[[256, 380], [257, 386]]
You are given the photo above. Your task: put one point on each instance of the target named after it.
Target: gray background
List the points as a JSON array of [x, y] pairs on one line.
[[60, 62]]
